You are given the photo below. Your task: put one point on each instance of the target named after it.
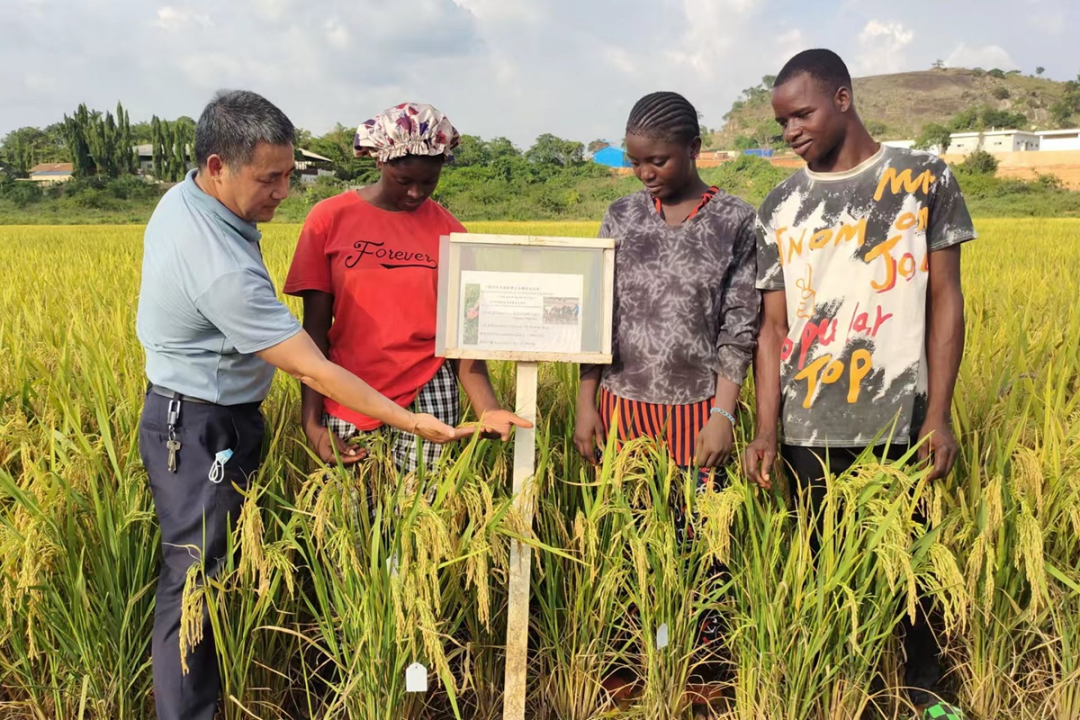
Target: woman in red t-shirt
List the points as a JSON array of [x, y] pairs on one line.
[[366, 266]]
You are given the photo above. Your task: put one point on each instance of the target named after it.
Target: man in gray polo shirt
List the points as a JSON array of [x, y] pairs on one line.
[[214, 331]]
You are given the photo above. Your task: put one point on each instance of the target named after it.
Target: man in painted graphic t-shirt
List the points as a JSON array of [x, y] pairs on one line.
[[863, 330]]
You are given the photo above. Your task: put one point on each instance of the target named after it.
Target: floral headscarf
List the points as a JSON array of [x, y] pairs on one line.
[[408, 129]]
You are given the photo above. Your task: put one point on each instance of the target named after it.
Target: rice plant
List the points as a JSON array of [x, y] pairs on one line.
[[339, 580]]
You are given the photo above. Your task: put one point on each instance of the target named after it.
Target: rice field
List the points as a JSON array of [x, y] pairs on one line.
[[346, 578]]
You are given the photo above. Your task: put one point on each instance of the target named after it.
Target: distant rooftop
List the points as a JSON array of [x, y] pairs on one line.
[[52, 169]]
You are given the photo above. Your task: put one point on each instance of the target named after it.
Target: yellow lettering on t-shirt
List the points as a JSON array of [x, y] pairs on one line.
[[794, 247], [856, 231], [826, 371], [884, 251], [909, 220], [861, 362], [821, 239], [904, 181]]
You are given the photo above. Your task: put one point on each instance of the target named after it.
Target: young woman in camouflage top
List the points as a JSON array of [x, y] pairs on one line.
[[686, 308]]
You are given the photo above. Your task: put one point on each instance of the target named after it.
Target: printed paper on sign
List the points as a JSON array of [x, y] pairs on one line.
[[526, 312]]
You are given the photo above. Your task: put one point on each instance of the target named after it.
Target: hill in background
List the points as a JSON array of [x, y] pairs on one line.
[[897, 107]]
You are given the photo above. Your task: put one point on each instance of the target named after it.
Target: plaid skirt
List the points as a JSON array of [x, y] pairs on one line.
[[439, 398]]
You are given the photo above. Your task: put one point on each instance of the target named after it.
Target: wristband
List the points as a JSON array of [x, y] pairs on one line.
[[725, 413]]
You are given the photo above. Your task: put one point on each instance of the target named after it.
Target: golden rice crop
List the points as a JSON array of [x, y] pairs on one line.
[[346, 578]]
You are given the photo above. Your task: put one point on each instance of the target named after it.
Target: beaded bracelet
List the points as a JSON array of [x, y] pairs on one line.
[[725, 413]]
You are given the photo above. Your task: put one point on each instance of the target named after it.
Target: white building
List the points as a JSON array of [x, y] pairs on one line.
[[910, 145], [993, 141], [310, 167], [1059, 139], [145, 154]]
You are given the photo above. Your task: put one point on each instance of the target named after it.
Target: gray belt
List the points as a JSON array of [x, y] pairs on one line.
[[173, 395]]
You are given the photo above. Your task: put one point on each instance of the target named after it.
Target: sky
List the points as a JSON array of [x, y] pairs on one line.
[[513, 68]]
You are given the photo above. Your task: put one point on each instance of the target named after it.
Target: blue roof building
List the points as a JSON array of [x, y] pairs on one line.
[[611, 157]]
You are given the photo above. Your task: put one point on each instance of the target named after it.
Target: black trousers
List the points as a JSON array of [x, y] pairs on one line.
[[195, 514], [922, 669]]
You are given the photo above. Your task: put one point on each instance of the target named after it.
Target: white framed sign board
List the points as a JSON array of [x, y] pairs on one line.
[[525, 299]]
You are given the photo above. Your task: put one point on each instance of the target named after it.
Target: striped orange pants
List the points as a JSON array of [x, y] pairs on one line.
[[677, 425]]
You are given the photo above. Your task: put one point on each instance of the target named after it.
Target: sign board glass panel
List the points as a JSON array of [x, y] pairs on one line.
[[530, 299]]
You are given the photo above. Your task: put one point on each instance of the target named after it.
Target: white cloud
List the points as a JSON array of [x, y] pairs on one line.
[[986, 56], [502, 10], [739, 6], [788, 44], [1050, 21], [272, 10], [712, 29], [208, 71], [882, 46], [34, 9], [337, 34], [619, 59], [1049, 16], [40, 83], [516, 68], [173, 19]]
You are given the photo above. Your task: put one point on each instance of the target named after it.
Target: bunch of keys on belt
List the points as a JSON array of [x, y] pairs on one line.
[[172, 444]]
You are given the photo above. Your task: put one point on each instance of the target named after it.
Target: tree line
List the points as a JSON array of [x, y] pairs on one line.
[[103, 145], [488, 178]]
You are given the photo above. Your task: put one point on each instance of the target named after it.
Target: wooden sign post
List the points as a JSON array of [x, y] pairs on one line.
[[527, 300], [517, 622]]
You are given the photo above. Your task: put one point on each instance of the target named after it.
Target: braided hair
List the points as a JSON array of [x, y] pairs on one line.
[[666, 116]]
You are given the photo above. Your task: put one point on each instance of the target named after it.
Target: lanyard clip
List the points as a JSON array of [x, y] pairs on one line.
[[174, 413]]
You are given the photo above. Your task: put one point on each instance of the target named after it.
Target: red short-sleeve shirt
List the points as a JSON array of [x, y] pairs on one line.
[[382, 269]]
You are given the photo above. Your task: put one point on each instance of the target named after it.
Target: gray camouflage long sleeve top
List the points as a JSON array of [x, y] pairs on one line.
[[686, 306]]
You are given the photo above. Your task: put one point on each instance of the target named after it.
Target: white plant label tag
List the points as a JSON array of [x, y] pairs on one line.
[[416, 678], [662, 637]]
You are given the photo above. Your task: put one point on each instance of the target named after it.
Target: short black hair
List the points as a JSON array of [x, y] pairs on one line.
[[822, 65], [666, 116], [235, 122]]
